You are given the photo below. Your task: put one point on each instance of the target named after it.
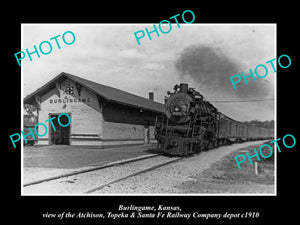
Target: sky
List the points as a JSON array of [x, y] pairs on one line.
[[203, 55]]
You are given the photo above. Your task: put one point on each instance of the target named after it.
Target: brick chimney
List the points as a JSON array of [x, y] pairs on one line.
[[151, 96]]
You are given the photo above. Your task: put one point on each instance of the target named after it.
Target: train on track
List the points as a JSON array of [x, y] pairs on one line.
[[191, 124]]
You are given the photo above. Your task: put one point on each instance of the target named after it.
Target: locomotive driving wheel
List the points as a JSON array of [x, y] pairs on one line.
[[207, 141], [205, 144]]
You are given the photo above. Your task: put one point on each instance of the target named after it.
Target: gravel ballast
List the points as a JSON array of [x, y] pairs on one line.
[[164, 180]]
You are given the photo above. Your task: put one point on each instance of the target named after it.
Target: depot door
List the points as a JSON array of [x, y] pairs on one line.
[[61, 135]]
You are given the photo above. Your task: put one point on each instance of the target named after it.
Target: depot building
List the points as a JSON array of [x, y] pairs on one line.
[[100, 115]]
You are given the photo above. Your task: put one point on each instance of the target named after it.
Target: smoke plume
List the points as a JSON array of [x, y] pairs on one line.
[[211, 70]]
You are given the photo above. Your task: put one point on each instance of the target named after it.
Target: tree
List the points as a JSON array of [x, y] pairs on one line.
[[257, 123], [31, 116]]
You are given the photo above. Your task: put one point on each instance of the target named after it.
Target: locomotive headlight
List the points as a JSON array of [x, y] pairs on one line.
[[177, 108]]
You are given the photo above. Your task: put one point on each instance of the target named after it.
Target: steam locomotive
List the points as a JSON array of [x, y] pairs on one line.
[[191, 124]]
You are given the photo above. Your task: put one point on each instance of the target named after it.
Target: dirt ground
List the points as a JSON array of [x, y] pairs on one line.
[[210, 172], [225, 177], [41, 162], [72, 157]]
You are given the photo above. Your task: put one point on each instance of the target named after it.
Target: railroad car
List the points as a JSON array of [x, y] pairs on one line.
[[191, 124]]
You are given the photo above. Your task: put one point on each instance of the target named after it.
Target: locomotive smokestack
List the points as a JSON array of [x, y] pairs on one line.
[[151, 96], [184, 88]]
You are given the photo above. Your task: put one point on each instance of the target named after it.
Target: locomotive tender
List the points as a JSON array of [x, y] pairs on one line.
[[191, 124]]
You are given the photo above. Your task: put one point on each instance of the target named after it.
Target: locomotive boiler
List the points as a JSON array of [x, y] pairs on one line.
[[191, 124]]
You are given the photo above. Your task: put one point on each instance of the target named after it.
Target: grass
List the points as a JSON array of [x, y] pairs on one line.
[[225, 177], [247, 173]]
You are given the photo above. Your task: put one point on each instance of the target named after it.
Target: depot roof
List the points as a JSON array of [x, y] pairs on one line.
[[108, 93]]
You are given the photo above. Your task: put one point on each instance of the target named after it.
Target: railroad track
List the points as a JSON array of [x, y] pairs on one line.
[[120, 162], [131, 175], [95, 179]]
